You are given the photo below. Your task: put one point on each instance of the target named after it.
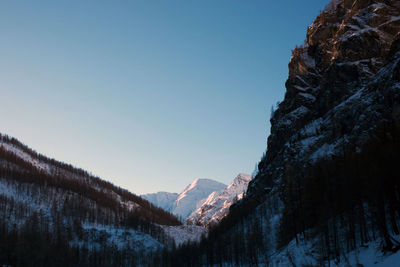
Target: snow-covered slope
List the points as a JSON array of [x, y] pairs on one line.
[[217, 204], [164, 200], [25, 156], [190, 199], [204, 201], [304, 253], [97, 213], [194, 195]]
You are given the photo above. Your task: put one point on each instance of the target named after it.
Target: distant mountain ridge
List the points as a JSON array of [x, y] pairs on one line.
[[194, 195], [203, 202], [191, 197], [217, 204]]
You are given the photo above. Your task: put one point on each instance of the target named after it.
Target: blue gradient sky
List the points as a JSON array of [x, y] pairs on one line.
[[147, 94]]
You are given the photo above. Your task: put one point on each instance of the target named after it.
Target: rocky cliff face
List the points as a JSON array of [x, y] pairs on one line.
[[343, 83]]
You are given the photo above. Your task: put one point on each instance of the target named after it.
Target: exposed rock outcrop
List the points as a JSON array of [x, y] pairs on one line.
[[343, 83]]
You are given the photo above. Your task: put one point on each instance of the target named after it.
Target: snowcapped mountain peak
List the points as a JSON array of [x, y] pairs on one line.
[[203, 182], [203, 201], [200, 184], [191, 197], [241, 179], [217, 204]]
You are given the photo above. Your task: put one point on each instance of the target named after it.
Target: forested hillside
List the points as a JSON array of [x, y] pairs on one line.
[[55, 214]]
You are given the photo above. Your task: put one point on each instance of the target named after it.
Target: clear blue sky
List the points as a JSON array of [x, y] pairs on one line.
[[148, 94]]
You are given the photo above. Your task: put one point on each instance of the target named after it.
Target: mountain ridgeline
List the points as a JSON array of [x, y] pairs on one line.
[[204, 202], [53, 211], [216, 206], [328, 184], [191, 198]]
